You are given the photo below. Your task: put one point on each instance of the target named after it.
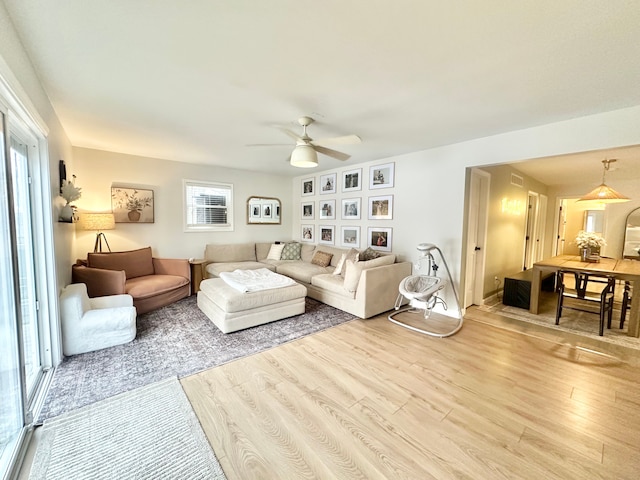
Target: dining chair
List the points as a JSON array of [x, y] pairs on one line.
[[588, 290], [626, 303]]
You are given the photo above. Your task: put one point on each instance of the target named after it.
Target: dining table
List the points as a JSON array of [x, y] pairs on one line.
[[622, 269]]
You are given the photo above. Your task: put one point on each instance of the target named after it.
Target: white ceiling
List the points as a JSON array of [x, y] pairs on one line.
[[196, 81]]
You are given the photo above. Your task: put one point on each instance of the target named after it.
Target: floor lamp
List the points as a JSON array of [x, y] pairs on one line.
[[99, 222]]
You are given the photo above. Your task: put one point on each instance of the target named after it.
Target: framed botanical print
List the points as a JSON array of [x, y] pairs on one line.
[[379, 238], [381, 176], [352, 180], [132, 205], [381, 208], [350, 237], [351, 209], [328, 183], [308, 186]]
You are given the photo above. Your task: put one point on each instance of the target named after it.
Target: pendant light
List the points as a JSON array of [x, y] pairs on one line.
[[304, 156], [603, 193]]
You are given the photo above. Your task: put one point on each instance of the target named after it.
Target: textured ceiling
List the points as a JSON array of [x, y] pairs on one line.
[[196, 81]]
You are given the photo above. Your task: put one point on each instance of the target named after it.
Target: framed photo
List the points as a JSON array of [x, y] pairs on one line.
[[307, 233], [255, 211], [352, 180], [327, 210], [307, 211], [132, 205], [328, 183], [308, 186], [351, 209], [381, 176], [379, 238], [267, 210], [327, 234], [381, 208], [350, 237]]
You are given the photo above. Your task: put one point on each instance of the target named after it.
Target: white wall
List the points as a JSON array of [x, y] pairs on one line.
[[98, 170], [429, 193]]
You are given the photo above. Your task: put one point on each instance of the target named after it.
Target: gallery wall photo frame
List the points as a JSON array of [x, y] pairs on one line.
[[132, 205], [326, 234], [381, 176], [328, 183], [352, 180], [379, 238], [350, 236], [327, 210], [255, 211], [351, 208], [267, 210], [308, 187], [381, 208], [307, 210], [307, 233]]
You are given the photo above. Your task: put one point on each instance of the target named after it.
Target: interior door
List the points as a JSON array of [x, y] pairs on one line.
[[477, 203], [531, 229]]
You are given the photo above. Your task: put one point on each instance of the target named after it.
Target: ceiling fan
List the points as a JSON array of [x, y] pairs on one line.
[[305, 153]]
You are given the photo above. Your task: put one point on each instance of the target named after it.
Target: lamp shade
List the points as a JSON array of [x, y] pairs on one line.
[[604, 194], [98, 221], [304, 156]]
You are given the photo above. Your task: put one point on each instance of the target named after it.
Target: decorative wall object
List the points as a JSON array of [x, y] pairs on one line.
[[70, 193], [327, 234], [262, 210], [327, 210], [308, 186], [351, 209], [379, 238], [132, 205], [308, 233], [328, 183], [352, 180], [350, 237], [307, 211], [381, 208], [381, 176]]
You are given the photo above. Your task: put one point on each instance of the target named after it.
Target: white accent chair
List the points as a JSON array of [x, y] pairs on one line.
[[90, 324]]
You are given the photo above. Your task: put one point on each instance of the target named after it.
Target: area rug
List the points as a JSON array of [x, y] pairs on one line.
[[148, 433], [176, 340]]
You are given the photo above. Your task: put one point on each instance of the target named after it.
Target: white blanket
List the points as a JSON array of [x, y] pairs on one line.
[[255, 280]]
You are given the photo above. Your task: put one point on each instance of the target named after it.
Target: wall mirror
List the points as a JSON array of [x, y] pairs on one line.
[[632, 235], [263, 210]]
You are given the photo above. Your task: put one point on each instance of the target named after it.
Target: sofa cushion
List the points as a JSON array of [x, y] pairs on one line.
[[152, 285], [354, 270], [301, 271], [214, 269], [275, 252], [231, 300], [368, 254], [291, 251], [307, 251], [230, 253], [322, 259], [352, 254], [331, 283], [135, 263]]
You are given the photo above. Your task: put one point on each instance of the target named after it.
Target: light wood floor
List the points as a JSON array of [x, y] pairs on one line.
[[372, 400]]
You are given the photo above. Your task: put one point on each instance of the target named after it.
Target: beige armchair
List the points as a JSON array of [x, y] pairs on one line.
[[152, 282]]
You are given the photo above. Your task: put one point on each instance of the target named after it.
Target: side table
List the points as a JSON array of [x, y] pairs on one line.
[[197, 274]]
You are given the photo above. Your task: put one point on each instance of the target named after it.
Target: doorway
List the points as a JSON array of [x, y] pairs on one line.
[[478, 203]]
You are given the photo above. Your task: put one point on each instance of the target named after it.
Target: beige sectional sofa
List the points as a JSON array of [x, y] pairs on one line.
[[364, 288]]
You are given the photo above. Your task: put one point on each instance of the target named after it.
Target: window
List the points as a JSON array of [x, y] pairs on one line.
[[208, 206]]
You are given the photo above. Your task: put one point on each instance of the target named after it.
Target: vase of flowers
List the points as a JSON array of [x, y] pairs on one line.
[[70, 193], [589, 244]]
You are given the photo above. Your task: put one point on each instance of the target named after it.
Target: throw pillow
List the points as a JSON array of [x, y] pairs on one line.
[[322, 259], [352, 254], [353, 270], [275, 252], [291, 251], [368, 254]]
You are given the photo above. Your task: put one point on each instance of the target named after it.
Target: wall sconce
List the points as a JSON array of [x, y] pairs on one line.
[[99, 222]]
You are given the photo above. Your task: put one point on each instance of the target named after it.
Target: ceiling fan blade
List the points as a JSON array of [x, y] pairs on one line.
[[291, 134], [345, 140], [332, 153]]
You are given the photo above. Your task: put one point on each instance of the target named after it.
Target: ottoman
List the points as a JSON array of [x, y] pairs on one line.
[[231, 310]]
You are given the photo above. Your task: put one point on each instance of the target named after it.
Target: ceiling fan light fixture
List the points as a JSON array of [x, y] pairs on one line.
[[604, 193], [304, 156]]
